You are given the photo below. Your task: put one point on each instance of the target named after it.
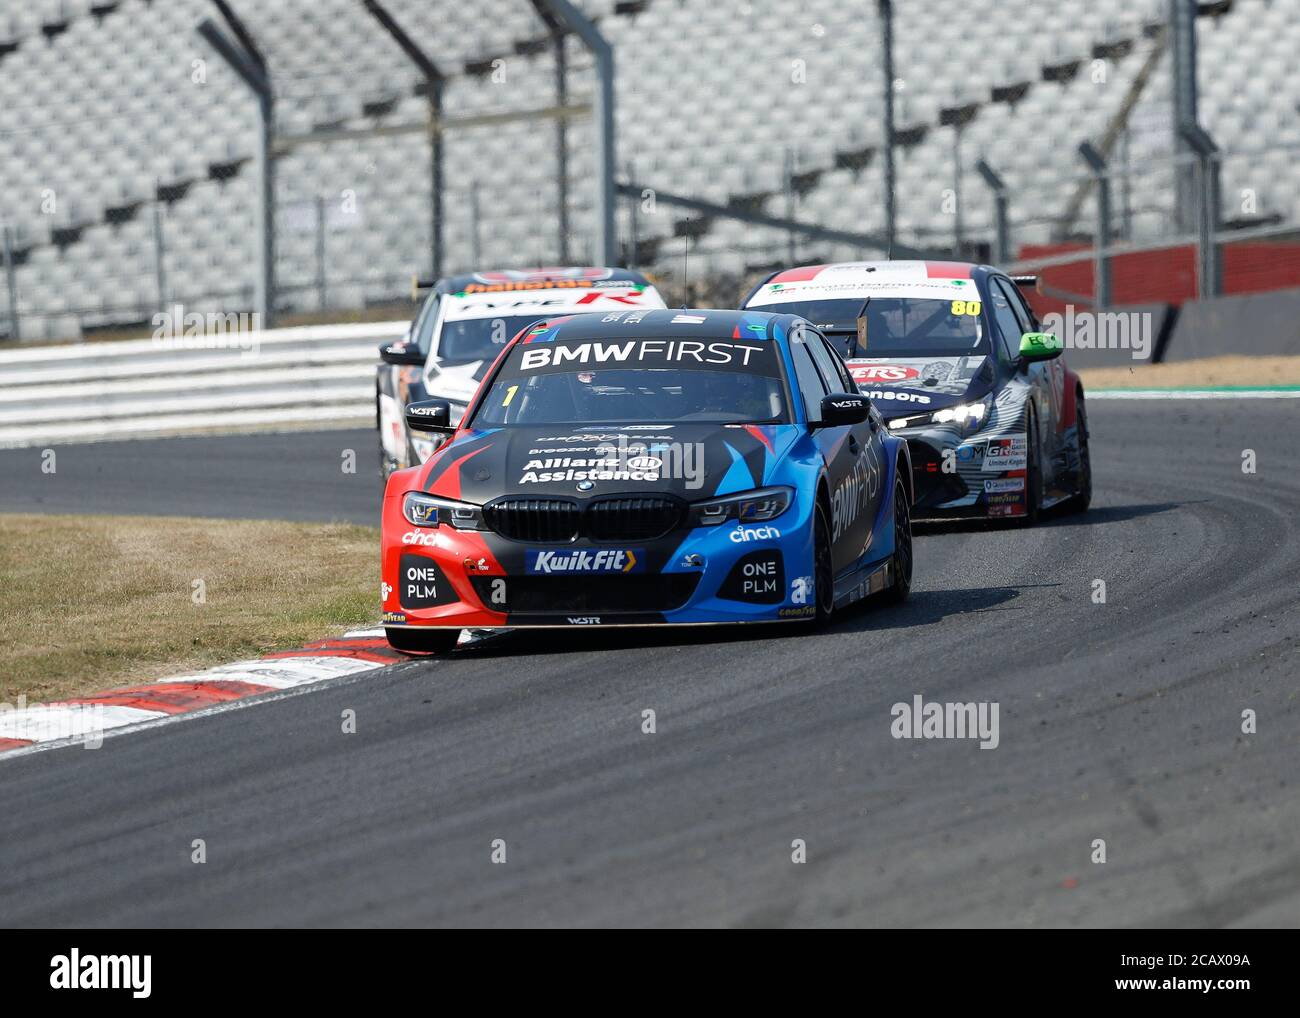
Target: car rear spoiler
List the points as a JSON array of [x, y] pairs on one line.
[[1026, 282]]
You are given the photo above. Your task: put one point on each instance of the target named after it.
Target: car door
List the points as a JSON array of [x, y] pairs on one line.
[[812, 388], [1048, 381], [857, 454]]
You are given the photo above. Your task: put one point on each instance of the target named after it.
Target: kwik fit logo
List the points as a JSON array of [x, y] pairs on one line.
[[606, 560]]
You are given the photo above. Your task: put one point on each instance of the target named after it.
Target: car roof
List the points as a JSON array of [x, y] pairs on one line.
[[900, 271], [506, 280], [858, 280], [708, 323]]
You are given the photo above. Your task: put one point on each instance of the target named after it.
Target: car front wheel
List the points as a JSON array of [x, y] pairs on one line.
[[1083, 495], [1033, 471]]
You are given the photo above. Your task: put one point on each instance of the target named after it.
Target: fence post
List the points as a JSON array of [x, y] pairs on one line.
[[1000, 205], [1209, 267], [1101, 242], [787, 186], [11, 280], [320, 252], [159, 256], [246, 60], [633, 226], [603, 54], [887, 54], [434, 82], [476, 254]]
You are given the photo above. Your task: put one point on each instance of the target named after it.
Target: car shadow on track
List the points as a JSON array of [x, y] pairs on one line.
[[1113, 513], [925, 607], [1052, 518], [921, 608]]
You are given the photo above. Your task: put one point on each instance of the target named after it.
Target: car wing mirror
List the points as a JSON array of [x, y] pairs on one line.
[[1039, 346], [430, 415], [401, 352], [843, 408]]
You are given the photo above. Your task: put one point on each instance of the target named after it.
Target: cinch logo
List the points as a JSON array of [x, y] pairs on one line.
[[102, 972], [420, 537], [883, 373], [606, 560], [741, 535]]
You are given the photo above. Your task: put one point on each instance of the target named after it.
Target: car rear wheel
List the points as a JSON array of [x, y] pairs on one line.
[[902, 560], [422, 641], [1083, 497], [386, 465], [823, 569]]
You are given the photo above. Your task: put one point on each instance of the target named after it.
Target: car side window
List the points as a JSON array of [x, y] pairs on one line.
[[1020, 305], [810, 382], [1009, 326], [422, 330], [832, 367], [1018, 308]]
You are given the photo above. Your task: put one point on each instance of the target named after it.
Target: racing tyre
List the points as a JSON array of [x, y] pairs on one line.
[[386, 462], [823, 568], [386, 465], [1033, 471], [422, 641], [902, 560], [1083, 498]]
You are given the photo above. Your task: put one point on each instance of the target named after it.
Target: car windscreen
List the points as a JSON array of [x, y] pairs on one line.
[[477, 339], [635, 381], [898, 326]]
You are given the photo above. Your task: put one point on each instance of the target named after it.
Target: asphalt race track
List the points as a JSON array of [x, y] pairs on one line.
[[1119, 721], [288, 476]]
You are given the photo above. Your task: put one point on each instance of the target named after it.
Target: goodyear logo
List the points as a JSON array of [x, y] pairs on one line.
[[606, 560]]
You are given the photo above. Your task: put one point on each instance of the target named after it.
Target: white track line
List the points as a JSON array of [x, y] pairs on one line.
[[357, 414], [68, 722], [194, 715], [1195, 394]]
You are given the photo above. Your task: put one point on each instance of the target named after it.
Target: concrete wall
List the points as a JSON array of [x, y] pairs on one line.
[[1254, 323]]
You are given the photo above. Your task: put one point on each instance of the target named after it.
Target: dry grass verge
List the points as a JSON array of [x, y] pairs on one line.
[[1209, 372], [87, 603]]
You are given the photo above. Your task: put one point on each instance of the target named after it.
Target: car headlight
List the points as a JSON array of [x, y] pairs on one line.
[[430, 511], [755, 506], [968, 415]]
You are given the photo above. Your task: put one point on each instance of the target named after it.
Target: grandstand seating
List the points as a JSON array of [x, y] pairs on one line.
[[102, 103]]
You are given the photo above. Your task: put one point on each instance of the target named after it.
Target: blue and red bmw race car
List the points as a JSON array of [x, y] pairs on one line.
[[643, 468]]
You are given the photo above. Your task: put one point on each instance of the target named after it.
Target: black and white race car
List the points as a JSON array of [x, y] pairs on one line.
[[952, 356], [465, 322]]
